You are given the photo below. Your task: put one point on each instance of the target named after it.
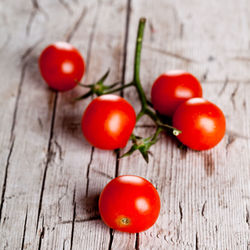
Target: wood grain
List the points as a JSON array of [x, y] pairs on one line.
[[51, 178]]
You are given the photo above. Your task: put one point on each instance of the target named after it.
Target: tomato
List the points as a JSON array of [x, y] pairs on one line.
[[202, 123], [108, 122], [129, 203], [61, 66], [171, 89]]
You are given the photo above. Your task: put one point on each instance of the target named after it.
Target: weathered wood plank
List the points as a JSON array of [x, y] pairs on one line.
[[26, 155], [82, 171]]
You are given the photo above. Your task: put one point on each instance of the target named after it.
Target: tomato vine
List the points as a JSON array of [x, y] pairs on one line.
[[99, 88], [187, 87]]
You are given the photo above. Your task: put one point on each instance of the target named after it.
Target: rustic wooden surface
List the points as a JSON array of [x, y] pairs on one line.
[[50, 177]]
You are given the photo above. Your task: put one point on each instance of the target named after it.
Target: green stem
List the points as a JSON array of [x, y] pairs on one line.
[[137, 63], [175, 131], [157, 132], [145, 104], [157, 121], [120, 88], [139, 115], [152, 115]]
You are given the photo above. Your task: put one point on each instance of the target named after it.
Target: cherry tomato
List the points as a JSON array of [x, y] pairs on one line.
[[171, 89], [108, 122], [61, 66], [202, 123], [129, 203]]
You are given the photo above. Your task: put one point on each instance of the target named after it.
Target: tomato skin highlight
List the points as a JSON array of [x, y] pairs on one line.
[[61, 66], [202, 123], [171, 89], [129, 203], [108, 122]]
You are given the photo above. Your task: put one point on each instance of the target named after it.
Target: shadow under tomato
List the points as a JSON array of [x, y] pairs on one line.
[[209, 164], [88, 207]]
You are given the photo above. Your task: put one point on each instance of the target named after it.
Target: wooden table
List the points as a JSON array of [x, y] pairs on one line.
[[50, 177]]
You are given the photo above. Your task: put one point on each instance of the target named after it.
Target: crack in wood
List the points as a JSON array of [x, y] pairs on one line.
[[19, 90], [41, 236], [91, 38], [178, 234], [117, 162], [232, 97], [49, 155], [40, 123], [29, 50], [88, 170], [204, 77], [151, 29], [66, 6], [24, 229], [4, 219], [171, 54], [76, 25], [60, 199], [98, 217], [137, 241], [102, 174], [237, 135], [73, 220], [244, 104], [181, 30], [64, 241], [230, 81], [223, 87], [35, 10], [111, 238], [209, 164], [196, 242], [230, 141], [203, 209], [59, 147], [183, 150], [247, 217], [5, 178], [6, 245], [125, 45], [211, 58], [181, 213]]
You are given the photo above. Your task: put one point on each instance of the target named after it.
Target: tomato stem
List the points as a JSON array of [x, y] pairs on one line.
[[137, 63], [155, 136], [145, 109], [158, 122], [118, 89]]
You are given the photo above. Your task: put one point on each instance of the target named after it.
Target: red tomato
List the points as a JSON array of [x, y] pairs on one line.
[[61, 66], [108, 122], [130, 204], [171, 89], [202, 123]]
